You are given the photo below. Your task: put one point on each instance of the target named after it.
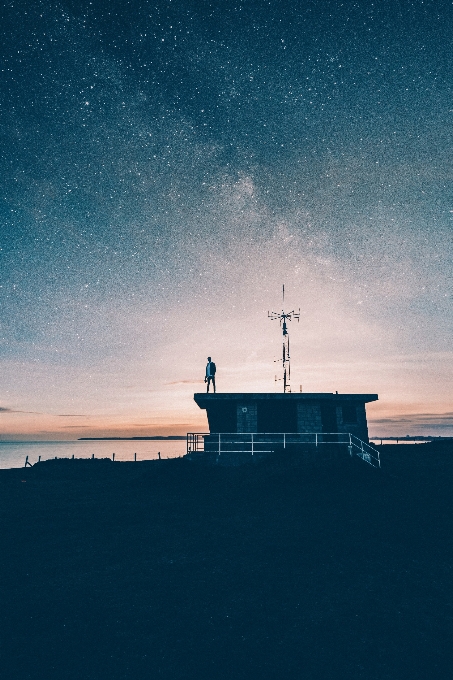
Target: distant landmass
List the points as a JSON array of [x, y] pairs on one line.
[[97, 439], [409, 438]]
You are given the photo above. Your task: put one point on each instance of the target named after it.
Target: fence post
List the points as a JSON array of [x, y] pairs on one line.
[[113, 456], [135, 457]]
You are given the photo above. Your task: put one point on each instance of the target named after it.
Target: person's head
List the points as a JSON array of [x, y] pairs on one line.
[[209, 358]]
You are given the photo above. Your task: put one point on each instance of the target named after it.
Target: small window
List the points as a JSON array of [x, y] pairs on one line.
[[349, 412]]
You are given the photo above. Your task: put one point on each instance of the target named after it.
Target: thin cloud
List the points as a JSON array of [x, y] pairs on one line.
[[75, 427], [4, 409], [184, 382], [12, 410], [431, 419], [72, 415]]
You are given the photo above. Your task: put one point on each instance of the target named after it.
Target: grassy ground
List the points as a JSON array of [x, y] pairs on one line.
[[171, 570]]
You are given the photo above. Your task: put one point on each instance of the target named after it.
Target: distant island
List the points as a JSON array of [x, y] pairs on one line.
[[409, 438], [128, 439]]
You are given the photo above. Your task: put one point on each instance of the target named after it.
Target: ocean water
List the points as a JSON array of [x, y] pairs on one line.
[[14, 454]]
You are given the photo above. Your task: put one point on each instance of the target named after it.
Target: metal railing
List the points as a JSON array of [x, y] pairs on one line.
[[365, 451], [265, 442]]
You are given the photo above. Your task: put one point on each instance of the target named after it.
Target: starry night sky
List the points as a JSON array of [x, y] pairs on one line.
[[166, 166]]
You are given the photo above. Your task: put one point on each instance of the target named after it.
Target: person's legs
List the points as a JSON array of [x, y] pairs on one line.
[[213, 382]]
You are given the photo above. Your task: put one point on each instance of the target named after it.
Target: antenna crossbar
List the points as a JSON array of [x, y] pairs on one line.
[[283, 317]]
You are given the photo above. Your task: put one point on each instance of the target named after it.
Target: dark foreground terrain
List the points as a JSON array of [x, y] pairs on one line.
[[172, 570]]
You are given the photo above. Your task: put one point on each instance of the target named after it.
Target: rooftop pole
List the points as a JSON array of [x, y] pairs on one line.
[[283, 317]]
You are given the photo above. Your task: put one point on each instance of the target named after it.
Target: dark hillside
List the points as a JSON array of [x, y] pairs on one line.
[[172, 570]]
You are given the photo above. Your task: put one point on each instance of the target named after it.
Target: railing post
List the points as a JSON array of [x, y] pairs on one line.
[[252, 443], [284, 440], [316, 440], [219, 444]]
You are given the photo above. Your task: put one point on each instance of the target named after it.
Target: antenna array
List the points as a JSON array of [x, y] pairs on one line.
[[283, 317]]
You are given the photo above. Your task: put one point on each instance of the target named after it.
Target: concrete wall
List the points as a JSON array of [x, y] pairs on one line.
[[360, 428], [244, 413], [309, 417], [362, 425], [247, 416]]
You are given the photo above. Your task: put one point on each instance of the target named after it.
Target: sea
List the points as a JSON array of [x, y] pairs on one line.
[[14, 454]]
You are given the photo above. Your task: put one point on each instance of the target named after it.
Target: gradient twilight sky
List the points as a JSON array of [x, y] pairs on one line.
[[167, 165]]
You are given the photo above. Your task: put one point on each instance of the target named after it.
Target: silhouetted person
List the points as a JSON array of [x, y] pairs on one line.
[[210, 374]]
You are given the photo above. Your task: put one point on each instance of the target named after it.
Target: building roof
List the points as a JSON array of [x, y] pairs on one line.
[[204, 399]]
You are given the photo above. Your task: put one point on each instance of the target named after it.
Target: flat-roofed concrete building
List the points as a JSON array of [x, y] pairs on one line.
[[262, 412]]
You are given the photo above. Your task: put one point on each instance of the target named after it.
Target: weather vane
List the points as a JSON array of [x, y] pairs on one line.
[[283, 318]]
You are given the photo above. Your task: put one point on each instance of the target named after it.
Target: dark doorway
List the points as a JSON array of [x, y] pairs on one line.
[[222, 417], [277, 416], [349, 412], [329, 418]]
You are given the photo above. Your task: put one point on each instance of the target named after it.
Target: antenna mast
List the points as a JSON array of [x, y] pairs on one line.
[[283, 318]]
